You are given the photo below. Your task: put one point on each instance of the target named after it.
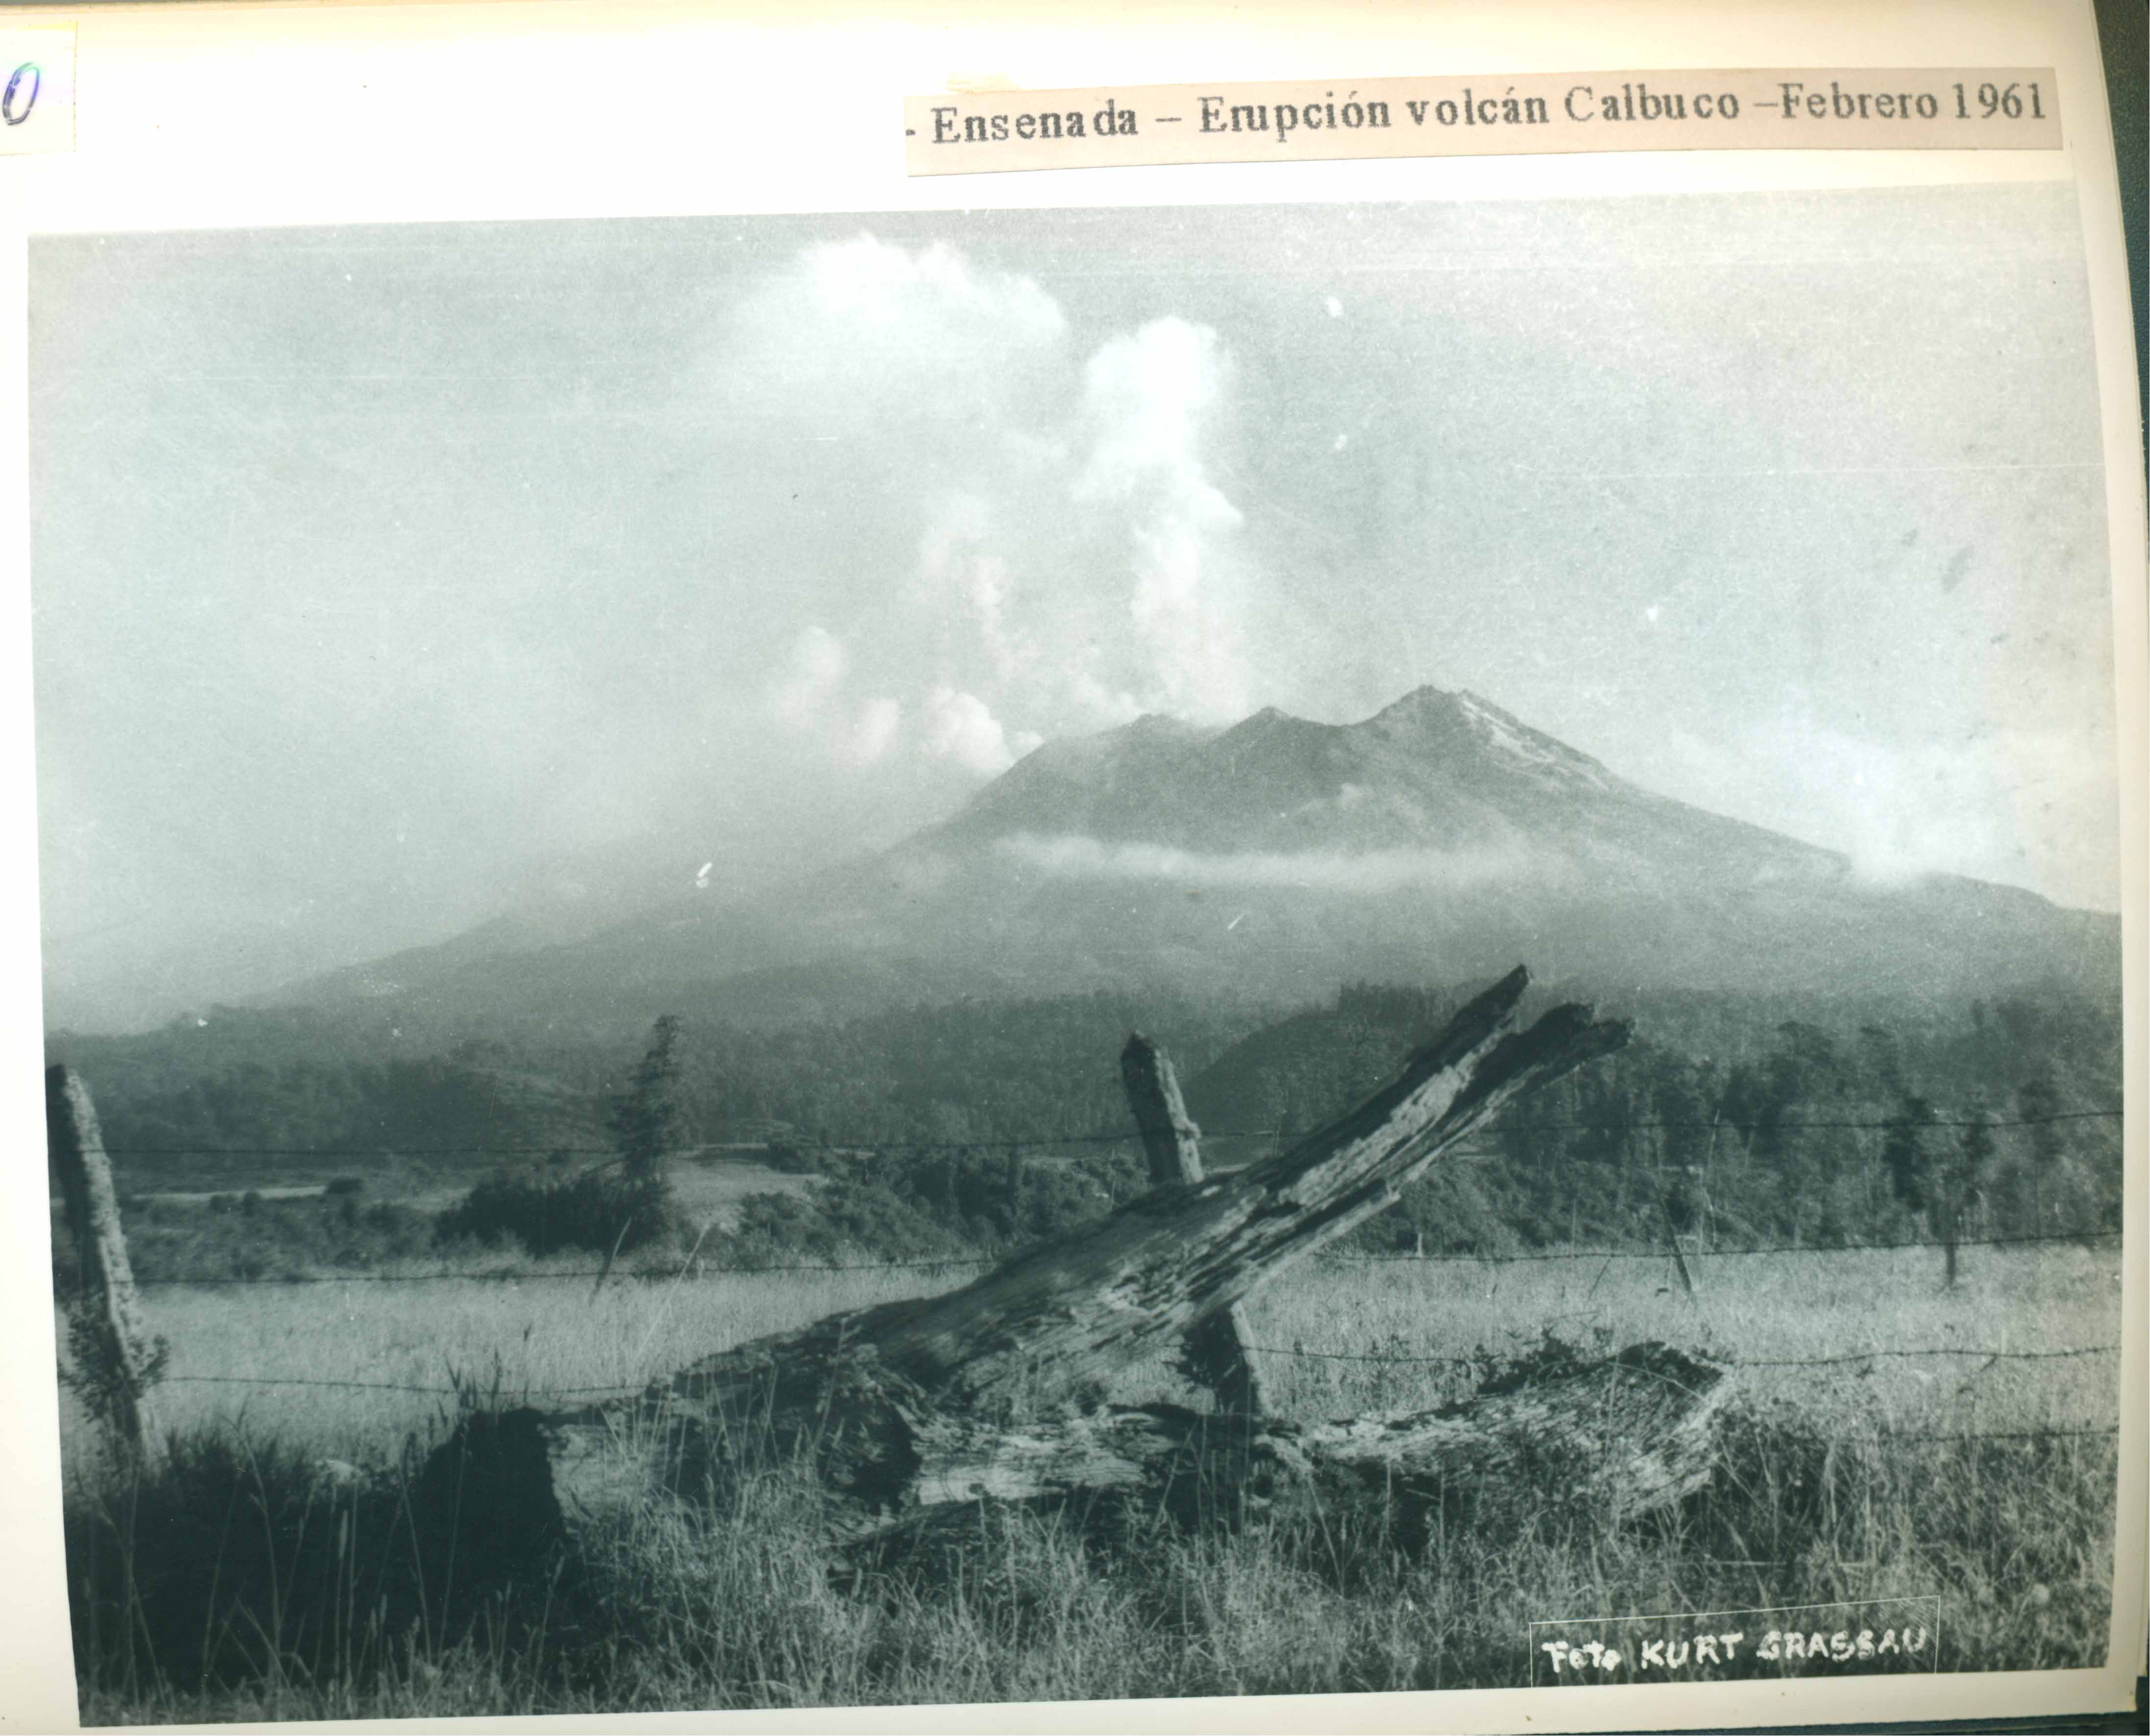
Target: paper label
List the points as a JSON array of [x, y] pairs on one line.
[[1978, 108]]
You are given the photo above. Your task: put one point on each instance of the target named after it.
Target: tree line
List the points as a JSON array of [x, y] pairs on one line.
[[1730, 1120]]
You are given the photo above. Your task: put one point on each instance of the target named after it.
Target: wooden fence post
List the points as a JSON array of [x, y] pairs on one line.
[[124, 1362], [1671, 1241], [1219, 1351]]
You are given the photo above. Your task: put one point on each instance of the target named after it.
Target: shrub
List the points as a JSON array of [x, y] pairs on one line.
[[238, 1560], [793, 1160], [847, 1220], [288, 1237], [597, 1213], [923, 1205]]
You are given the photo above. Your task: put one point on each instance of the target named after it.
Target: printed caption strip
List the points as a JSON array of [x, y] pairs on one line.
[[1877, 1636], [1925, 108]]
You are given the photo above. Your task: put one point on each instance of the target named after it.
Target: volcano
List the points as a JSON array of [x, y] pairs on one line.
[[1438, 841]]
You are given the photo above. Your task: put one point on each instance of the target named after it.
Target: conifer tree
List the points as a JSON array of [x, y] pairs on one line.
[[1905, 1155], [644, 1120]]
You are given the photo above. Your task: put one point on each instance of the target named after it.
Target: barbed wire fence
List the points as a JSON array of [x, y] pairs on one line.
[[1859, 1361], [525, 1392], [902, 1142], [1044, 1147], [704, 1267], [697, 1269]]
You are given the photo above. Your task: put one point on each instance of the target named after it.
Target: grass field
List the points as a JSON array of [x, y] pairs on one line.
[[2012, 1534], [538, 1335]]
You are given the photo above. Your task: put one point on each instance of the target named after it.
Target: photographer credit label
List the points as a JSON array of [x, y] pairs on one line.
[[1887, 1635]]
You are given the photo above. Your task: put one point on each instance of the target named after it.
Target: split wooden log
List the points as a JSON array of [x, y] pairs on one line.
[[1625, 1434], [994, 1389], [1049, 1325]]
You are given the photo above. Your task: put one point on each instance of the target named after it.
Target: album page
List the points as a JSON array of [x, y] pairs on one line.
[[1267, 868]]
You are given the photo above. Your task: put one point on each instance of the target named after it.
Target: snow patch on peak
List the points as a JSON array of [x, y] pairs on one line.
[[1496, 730]]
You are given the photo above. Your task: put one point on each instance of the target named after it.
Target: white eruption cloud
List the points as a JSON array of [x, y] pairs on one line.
[[809, 698], [810, 677], [1005, 535], [960, 727], [861, 327], [1148, 398]]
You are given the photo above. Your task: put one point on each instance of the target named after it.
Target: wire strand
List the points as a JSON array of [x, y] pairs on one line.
[[950, 1262], [569, 1275], [1662, 1252], [1733, 1363], [1037, 1141], [1250, 1418]]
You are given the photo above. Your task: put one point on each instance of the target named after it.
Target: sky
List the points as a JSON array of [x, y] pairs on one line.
[[387, 579]]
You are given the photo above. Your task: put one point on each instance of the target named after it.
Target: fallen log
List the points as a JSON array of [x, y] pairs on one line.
[[1615, 1438], [1624, 1434], [993, 1390]]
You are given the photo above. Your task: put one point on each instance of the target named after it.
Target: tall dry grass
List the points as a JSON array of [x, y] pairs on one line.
[[681, 1607], [246, 1580]]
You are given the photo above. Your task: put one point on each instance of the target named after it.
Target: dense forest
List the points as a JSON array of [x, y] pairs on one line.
[[1740, 1123], [1734, 1121]]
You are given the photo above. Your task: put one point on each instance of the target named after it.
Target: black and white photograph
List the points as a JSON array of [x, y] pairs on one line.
[[1078, 954]]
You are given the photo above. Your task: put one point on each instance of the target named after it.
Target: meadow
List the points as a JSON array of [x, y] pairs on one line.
[[1984, 1479]]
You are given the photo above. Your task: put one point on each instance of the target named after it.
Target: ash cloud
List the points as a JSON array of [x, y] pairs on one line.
[[1072, 560]]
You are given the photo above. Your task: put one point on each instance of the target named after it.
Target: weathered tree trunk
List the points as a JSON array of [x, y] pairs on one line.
[[1624, 1436], [1629, 1433], [991, 1389], [1217, 1353], [1051, 1323], [118, 1361]]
